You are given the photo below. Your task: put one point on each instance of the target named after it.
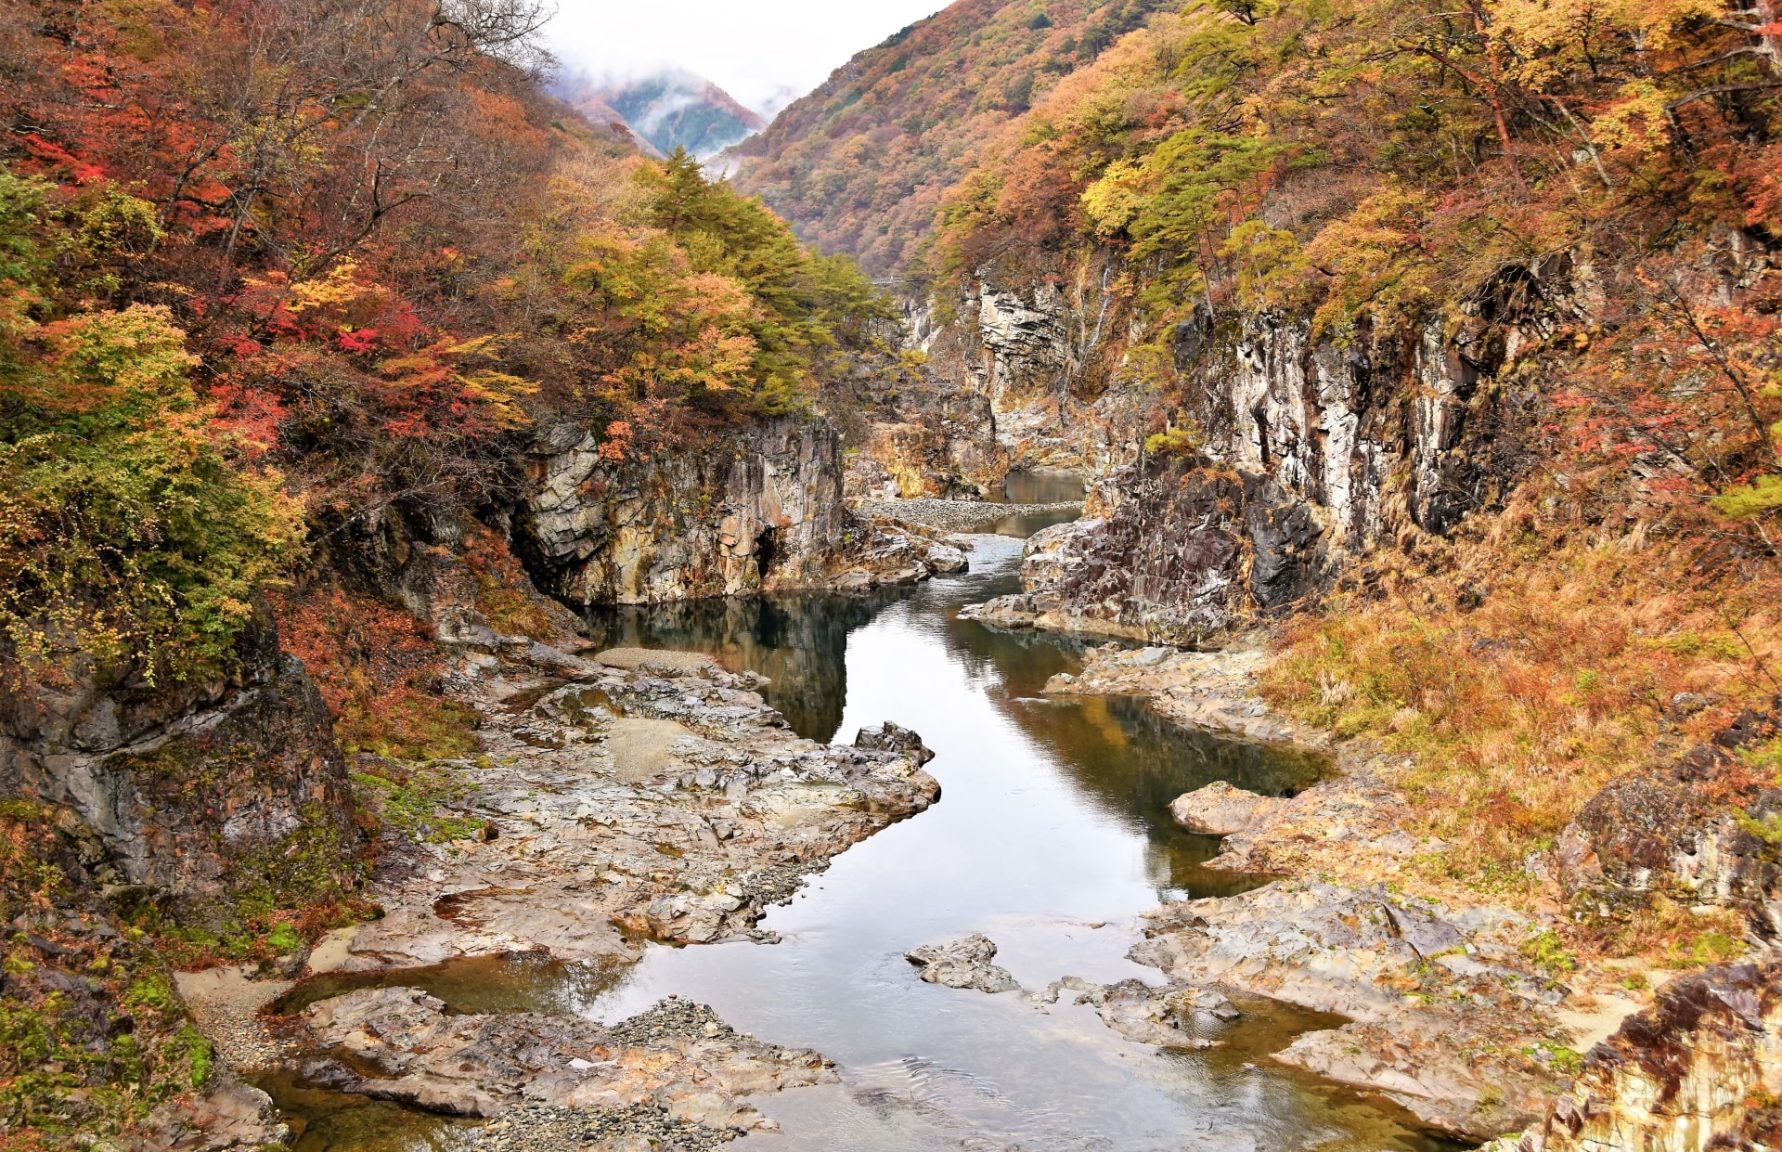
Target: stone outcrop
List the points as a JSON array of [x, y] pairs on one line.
[[181, 785], [1440, 1003], [760, 508], [757, 509], [1315, 452], [1191, 551], [646, 797], [677, 1059], [1700, 1070], [964, 963], [1662, 832]]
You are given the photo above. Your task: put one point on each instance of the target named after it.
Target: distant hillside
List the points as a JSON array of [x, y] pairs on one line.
[[667, 110], [859, 165]]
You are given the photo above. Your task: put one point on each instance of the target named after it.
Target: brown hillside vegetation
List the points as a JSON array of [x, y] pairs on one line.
[[859, 165]]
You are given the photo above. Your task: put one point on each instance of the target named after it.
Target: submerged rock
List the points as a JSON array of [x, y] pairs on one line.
[[965, 963], [1168, 1017]]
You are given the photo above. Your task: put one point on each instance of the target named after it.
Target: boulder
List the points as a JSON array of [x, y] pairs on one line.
[[965, 963], [1220, 809]]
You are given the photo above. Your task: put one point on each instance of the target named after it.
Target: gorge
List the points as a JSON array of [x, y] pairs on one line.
[[1137, 575]]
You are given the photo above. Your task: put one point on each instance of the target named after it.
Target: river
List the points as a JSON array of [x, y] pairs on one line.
[[1052, 838]]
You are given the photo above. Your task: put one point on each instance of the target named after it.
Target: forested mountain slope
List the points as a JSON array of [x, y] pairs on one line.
[[1451, 335], [859, 165], [296, 302]]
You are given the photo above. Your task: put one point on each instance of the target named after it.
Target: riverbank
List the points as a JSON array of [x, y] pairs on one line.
[[959, 515], [620, 797], [1464, 1007]]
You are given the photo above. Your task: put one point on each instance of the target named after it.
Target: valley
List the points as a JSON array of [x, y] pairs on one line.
[[1124, 575]]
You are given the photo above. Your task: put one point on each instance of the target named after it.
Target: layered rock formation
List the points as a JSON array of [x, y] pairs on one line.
[[1702, 1069], [179, 786], [1312, 452], [758, 511]]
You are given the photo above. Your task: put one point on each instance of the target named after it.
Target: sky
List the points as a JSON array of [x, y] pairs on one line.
[[763, 52]]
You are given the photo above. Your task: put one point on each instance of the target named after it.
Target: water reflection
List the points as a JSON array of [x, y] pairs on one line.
[[1052, 837], [799, 643], [1039, 488]]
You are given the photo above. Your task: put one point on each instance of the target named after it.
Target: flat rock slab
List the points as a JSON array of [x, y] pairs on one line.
[[643, 749], [678, 1060], [659, 661], [1220, 809], [963, 963]]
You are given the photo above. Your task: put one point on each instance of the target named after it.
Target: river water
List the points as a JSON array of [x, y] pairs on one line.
[[1051, 837]]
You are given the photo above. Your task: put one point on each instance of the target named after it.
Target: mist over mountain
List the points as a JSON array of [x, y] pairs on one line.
[[665, 109]]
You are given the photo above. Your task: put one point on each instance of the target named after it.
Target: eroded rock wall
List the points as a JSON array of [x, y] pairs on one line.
[[1700, 1070], [183, 786], [757, 509], [1312, 449]]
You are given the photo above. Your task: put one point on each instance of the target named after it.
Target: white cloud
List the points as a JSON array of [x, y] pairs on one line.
[[763, 52]]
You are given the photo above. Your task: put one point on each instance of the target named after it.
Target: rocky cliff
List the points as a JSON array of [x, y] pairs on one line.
[[1702, 1069], [757, 510], [181, 787], [1293, 456]]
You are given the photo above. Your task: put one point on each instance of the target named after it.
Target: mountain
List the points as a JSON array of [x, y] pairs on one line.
[[667, 110], [859, 165]]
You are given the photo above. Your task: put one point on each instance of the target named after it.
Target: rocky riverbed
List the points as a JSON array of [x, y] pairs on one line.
[[1459, 1009], [620, 797]]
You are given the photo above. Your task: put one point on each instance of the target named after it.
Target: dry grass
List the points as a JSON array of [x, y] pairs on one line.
[[1521, 674]]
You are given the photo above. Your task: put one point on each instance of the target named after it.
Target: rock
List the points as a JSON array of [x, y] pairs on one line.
[[1168, 1017], [757, 509], [1658, 832], [957, 515], [1700, 1069], [889, 737], [946, 560], [665, 801], [1190, 551], [178, 785], [678, 1058], [1430, 1037], [965, 963], [660, 662], [1219, 809]]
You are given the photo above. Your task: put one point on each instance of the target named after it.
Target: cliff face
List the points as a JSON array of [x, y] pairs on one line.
[[181, 788], [1311, 452], [760, 510]]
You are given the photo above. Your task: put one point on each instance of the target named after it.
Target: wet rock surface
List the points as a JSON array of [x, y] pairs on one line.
[[677, 1061], [965, 963]]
